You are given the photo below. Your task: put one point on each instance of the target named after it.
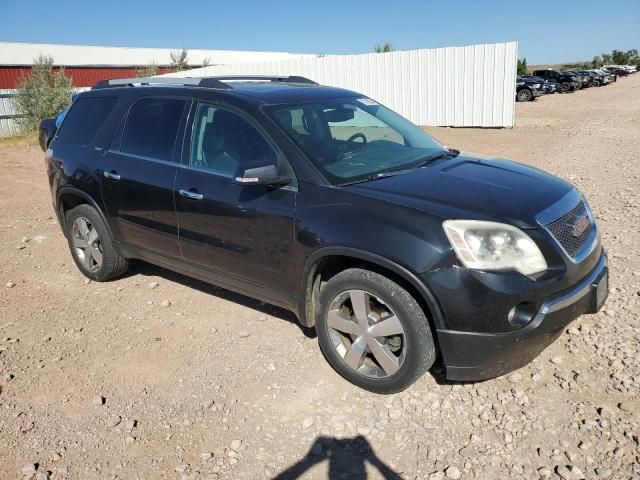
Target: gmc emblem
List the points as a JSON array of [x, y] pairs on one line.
[[578, 225]]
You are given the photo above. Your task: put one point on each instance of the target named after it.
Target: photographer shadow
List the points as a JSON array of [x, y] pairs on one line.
[[347, 460]]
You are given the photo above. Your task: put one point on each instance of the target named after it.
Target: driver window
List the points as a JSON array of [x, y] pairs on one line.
[[361, 122], [223, 141]]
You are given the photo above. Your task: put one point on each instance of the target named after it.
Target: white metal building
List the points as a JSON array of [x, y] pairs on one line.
[[472, 86]]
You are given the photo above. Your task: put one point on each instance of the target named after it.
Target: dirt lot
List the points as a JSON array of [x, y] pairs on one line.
[[103, 381]]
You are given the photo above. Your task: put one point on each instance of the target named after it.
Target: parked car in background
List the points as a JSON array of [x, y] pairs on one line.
[[528, 89], [395, 248], [597, 80], [620, 72], [586, 80], [549, 86], [568, 83], [48, 127], [608, 77]]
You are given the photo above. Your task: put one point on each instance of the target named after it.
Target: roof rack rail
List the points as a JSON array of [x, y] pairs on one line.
[[210, 82], [267, 78]]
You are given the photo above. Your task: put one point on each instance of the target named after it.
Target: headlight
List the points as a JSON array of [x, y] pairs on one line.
[[536, 85], [494, 246]]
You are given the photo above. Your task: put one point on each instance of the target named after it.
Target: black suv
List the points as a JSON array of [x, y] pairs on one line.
[[568, 82], [396, 249], [528, 89]]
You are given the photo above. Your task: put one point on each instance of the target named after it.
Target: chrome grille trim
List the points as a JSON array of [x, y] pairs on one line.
[[575, 248]]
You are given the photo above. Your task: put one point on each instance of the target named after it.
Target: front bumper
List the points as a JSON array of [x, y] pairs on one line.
[[479, 356], [537, 93]]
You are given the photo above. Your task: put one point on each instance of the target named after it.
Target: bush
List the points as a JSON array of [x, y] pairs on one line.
[[179, 60], [522, 66], [42, 93], [150, 70]]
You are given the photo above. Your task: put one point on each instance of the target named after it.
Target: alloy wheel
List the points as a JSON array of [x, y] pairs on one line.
[[86, 244], [366, 334]]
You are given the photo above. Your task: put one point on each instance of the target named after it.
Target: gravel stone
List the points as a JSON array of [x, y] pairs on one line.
[[453, 473]]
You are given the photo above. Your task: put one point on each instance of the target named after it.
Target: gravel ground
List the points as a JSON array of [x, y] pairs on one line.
[[159, 376]]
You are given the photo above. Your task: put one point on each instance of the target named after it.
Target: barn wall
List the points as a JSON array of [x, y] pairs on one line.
[[81, 76]]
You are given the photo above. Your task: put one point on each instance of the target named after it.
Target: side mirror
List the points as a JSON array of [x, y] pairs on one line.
[[264, 175]]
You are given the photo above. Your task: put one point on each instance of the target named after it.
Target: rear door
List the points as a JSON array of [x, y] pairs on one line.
[[236, 235], [139, 172]]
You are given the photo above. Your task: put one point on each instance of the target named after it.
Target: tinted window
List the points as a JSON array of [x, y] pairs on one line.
[[223, 141], [152, 127], [85, 118]]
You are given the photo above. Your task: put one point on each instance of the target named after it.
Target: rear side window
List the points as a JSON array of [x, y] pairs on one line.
[[85, 118], [152, 127]]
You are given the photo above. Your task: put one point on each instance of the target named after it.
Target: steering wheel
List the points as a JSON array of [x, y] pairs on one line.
[[351, 139]]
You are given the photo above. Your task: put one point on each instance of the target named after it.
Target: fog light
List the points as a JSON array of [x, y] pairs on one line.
[[521, 314]]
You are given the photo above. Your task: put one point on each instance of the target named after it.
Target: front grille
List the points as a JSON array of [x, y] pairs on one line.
[[563, 229]]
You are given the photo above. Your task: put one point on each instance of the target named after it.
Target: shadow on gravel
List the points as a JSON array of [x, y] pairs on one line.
[[347, 459], [147, 269]]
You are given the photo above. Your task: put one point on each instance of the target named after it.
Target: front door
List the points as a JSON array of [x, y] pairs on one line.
[[138, 178], [241, 236]]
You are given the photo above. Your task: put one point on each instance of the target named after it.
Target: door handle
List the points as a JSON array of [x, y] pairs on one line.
[[112, 175], [191, 195]]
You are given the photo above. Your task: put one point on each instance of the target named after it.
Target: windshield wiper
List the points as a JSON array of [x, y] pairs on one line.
[[375, 176], [392, 173], [435, 156]]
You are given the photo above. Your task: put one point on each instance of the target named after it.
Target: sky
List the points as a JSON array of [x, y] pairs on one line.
[[547, 32]]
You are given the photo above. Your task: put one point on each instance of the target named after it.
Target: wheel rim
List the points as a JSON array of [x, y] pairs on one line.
[[87, 244], [522, 95], [366, 334]]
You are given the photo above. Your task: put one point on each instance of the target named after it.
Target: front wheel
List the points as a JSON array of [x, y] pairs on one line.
[[564, 87], [524, 95], [92, 246], [373, 332]]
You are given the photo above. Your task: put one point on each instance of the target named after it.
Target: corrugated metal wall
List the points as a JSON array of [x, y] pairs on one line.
[[8, 124], [471, 86]]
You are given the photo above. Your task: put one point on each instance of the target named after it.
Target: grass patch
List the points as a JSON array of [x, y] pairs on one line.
[[22, 139]]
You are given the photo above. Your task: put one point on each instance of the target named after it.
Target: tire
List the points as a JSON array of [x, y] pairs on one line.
[[564, 87], [413, 349], [91, 245], [524, 95]]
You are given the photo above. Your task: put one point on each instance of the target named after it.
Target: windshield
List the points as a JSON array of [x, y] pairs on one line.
[[352, 139]]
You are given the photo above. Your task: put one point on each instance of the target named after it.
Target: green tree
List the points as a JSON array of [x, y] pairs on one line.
[[606, 59], [596, 62], [522, 66], [385, 47], [179, 60], [148, 71], [41, 93], [619, 58]]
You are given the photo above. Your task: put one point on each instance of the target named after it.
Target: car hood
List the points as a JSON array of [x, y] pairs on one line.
[[472, 187]]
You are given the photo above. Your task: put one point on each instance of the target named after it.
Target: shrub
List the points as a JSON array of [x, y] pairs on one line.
[[150, 70], [522, 66], [179, 60], [42, 93]]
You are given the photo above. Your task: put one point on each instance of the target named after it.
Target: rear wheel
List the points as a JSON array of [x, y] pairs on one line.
[[373, 332], [92, 246]]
